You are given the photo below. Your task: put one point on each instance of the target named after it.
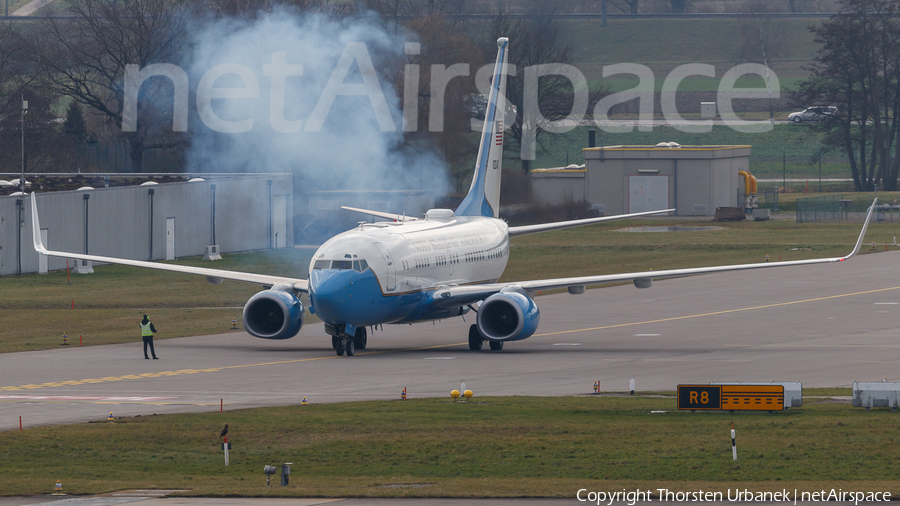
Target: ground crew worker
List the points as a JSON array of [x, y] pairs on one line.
[[147, 330]]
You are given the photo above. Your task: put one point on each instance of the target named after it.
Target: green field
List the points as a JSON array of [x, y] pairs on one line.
[[35, 310], [488, 447], [613, 85], [669, 42]]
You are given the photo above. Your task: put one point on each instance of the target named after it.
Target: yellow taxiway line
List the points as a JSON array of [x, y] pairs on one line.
[[180, 372]]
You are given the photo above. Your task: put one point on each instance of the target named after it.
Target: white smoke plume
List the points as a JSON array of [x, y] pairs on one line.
[[357, 146]]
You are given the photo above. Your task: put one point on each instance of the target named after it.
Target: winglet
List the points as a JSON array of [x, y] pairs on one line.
[[862, 234], [36, 227]]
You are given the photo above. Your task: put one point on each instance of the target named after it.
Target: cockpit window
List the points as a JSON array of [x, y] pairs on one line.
[[342, 264], [322, 264], [360, 265]]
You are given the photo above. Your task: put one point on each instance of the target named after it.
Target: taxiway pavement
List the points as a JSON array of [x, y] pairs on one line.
[[824, 325]]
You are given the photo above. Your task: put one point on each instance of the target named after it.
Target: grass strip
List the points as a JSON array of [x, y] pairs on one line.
[[489, 447]]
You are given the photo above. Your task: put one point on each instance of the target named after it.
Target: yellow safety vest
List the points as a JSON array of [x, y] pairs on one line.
[[145, 330]]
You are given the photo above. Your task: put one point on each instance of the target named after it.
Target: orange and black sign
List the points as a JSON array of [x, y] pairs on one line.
[[708, 397], [731, 397], [753, 397]]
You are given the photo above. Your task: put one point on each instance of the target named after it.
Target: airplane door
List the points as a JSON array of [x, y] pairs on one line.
[[42, 259], [170, 238], [279, 221], [391, 280]]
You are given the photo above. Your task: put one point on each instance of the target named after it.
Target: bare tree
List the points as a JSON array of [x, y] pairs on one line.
[[443, 42], [84, 54], [534, 40], [762, 41], [858, 71], [629, 6], [38, 133], [678, 6], [451, 12]]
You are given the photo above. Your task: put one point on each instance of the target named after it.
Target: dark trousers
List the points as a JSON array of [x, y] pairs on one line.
[[149, 340]]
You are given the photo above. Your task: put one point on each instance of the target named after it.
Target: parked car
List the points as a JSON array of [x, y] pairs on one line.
[[823, 113]]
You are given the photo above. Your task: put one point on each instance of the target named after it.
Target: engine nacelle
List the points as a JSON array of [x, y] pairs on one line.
[[508, 316], [273, 314]]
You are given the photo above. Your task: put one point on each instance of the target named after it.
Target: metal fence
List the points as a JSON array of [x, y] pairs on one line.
[[766, 199], [824, 207]]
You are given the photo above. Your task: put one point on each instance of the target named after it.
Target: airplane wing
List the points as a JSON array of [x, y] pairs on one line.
[[212, 275], [379, 214], [462, 295], [559, 225]]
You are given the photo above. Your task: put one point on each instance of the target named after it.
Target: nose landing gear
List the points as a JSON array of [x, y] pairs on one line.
[[345, 343]]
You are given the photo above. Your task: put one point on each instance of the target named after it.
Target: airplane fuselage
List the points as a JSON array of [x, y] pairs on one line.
[[387, 272]]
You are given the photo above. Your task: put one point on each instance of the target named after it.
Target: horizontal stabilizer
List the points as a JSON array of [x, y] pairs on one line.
[[380, 214]]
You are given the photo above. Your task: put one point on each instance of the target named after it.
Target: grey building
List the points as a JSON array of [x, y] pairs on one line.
[[150, 221], [694, 180]]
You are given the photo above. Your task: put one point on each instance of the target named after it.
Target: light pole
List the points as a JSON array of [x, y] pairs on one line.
[[24, 110]]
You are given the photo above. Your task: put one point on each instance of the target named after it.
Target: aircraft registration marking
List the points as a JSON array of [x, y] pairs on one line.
[[715, 313]]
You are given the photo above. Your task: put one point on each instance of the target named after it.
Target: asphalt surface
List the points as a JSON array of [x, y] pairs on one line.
[[823, 325]]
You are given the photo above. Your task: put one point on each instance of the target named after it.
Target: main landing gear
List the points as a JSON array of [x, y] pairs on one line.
[[349, 345], [476, 341]]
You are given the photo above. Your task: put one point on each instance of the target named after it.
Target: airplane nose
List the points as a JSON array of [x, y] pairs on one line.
[[331, 295]]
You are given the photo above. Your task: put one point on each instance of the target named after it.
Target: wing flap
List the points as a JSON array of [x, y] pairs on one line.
[[550, 284], [457, 296]]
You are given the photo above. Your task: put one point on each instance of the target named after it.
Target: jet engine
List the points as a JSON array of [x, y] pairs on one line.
[[508, 316], [273, 314]]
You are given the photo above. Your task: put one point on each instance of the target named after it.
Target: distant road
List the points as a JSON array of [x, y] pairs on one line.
[[657, 122]]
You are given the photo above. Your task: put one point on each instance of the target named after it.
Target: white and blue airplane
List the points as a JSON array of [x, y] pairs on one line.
[[412, 269]]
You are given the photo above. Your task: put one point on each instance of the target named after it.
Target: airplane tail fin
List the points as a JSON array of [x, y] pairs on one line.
[[483, 198]]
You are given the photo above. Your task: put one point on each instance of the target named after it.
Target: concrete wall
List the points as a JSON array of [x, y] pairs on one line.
[[558, 186], [699, 178], [119, 220]]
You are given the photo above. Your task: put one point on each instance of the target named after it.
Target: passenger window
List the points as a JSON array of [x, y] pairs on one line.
[[342, 264], [322, 264]]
